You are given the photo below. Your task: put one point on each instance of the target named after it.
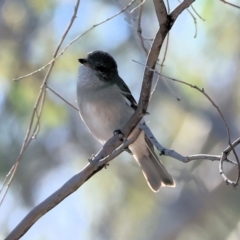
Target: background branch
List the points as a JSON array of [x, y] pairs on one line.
[[37, 111]]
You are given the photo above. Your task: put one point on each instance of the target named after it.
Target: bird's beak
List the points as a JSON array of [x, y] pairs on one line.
[[83, 61]]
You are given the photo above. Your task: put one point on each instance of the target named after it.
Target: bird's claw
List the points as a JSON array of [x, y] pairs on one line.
[[106, 165], [91, 158], [120, 135], [162, 152]]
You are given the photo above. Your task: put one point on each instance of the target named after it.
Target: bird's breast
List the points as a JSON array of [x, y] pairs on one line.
[[104, 112]]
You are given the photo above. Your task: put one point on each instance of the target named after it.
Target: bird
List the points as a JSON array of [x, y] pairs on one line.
[[106, 104]]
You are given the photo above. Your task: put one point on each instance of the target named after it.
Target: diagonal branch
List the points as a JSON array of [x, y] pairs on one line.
[[180, 8], [68, 188], [231, 4]]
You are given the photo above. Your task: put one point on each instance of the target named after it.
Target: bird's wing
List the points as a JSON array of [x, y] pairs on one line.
[[127, 93], [129, 99]]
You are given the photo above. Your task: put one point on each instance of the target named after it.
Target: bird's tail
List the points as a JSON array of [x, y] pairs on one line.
[[153, 170]]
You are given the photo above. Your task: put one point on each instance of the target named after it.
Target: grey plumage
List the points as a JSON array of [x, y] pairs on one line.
[[106, 104]]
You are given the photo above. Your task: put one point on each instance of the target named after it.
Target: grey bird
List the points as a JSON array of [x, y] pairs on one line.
[[106, 104]]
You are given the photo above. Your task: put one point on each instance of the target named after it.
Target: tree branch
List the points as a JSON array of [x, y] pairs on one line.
[[68, 188], [185, 159], [180, 8]]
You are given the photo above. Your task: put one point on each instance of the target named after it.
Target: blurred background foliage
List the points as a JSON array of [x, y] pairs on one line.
[[116, 203]]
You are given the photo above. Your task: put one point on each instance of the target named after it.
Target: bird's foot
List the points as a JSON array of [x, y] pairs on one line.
[[106, 165], [91, 158], [120, 135], [162, 153]]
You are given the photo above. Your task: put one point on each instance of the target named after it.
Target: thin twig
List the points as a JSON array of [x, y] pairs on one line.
[[197, 13], [73, 41], [139, 28], [173, 154], [220, 113], [231, 4], [161, 66], [195, 22], [57, 94], [194, 19], [138, 6], [38, 106], [224, 155], [38, 112], [168, 6]]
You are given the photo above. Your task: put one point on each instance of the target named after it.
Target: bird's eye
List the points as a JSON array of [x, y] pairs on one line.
[[101, 68]]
